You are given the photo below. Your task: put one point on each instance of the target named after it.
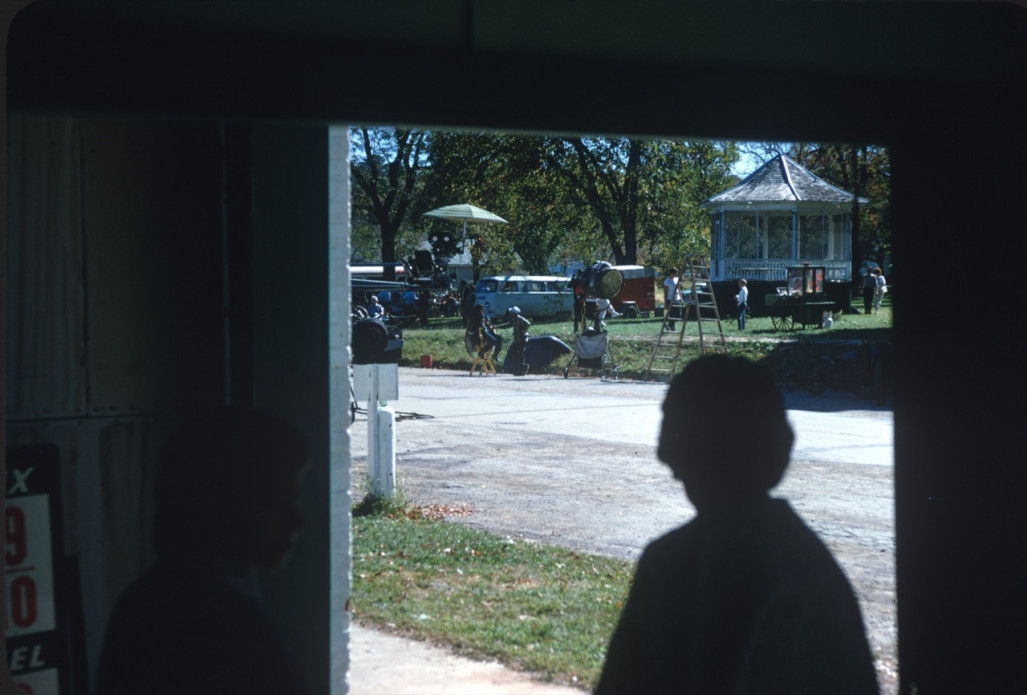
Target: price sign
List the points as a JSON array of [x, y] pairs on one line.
[[36, 650]]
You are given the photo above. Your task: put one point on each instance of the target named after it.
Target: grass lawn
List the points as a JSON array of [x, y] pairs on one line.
[[535, 608], [632, 340]]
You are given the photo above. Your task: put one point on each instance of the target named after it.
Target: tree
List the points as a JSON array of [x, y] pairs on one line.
[[386, 167], [581, 199], [865, 171], [643, 193], [503, 174], [701, 169]]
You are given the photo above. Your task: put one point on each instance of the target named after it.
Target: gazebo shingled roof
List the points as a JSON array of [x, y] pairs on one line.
[[781, 180]]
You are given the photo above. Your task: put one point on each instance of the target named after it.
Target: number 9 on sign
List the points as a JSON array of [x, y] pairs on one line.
[[29, 558]]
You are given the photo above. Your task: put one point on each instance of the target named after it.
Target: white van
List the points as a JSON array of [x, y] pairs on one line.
[[536, 295]]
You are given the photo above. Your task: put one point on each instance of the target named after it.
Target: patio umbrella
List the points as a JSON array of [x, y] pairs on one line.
[[465, 213]]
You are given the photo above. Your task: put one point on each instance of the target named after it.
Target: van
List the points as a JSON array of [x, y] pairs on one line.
[[537, 296]]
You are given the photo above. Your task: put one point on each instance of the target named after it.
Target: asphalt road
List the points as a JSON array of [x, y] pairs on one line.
[[572, 462]]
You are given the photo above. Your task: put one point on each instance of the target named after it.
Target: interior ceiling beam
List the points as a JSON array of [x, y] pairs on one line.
[[759, 71]]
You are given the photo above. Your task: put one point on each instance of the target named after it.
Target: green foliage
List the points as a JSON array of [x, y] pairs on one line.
[[570, 199], [379, 505], [642, 194], [697, 170], [533, 607], [503, 174], [387, 166], [866, 171]]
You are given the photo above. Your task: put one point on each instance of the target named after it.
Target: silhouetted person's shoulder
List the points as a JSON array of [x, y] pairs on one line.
[[226, 506], [744, 600], [176, 630]]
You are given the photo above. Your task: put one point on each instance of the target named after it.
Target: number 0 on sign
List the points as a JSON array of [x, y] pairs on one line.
[[29, 558]]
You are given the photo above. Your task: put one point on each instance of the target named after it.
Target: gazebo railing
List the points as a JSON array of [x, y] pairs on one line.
[[775, 270]]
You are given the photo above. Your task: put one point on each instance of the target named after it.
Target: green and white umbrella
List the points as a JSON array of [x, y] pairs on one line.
[[465, 213]]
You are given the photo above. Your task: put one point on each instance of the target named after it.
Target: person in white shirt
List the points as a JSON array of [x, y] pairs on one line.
[[671, 296], [742, 299], [880, 287], [375, 310]]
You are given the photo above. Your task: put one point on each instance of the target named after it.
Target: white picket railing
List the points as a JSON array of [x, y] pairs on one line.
[[776, 270]]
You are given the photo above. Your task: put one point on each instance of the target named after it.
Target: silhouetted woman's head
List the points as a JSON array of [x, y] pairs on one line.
[[725, 433]]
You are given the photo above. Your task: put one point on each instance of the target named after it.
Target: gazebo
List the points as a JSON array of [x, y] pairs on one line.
[[780, 215]]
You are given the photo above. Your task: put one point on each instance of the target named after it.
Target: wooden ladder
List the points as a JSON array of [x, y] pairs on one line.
[[700, 307]]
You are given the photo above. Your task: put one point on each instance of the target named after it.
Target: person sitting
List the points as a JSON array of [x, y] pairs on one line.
[[385, 299], [450, 305], [483, 331], [375, 310], [409, 302]]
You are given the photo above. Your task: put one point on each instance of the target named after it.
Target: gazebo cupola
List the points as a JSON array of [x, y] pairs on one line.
[[780, 215]]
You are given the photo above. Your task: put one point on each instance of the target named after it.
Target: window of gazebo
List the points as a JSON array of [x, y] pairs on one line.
[[761, 244]]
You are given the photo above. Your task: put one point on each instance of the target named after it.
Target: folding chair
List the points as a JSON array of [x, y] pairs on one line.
[[474, 341]]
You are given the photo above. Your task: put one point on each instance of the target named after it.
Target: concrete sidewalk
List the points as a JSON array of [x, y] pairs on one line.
[[382, 664]]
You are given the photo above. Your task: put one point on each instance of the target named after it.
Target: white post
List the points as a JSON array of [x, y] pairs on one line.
[[372, 431], [381, 440], [385, 484]]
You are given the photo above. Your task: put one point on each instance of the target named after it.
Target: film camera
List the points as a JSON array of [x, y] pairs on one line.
[[427, 269]]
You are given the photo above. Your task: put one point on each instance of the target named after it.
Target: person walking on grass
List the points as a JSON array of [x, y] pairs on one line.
[[880, 288], [869, 286]]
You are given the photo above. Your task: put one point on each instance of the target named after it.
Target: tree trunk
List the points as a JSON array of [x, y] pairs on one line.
[[389, 251], [629, 218], [856, 226]]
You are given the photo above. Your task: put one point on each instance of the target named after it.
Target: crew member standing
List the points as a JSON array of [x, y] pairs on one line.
[[671, 297], [869, 287], [515, 357], [578, 286], [743, 302]]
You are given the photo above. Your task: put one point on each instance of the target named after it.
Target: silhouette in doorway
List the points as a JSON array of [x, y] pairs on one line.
[[226, 505], [745, 598]]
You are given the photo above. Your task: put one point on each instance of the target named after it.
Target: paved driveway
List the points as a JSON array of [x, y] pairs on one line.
[[572, 462]]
